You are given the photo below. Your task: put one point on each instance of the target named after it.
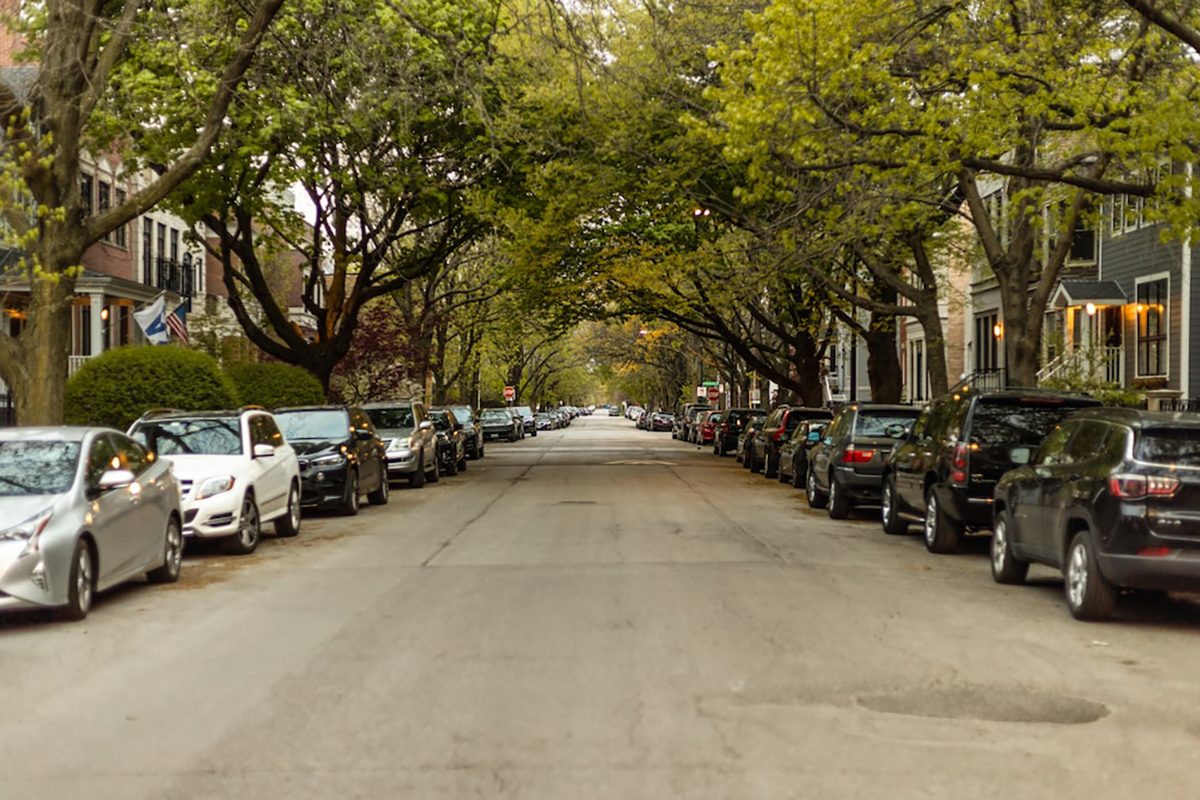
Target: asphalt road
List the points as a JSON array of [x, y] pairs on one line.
[[598, 612]]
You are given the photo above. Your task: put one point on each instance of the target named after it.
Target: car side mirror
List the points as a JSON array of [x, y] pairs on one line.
[[263, 451], [115, 479], [425, 425], [1020, 455], [364, 434], [813, 437]]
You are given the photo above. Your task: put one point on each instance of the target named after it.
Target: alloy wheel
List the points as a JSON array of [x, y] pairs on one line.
[[1077, 574], [885, 511], [84, 580], [999, 545], [931, 511], [248, 527], [174, 541]]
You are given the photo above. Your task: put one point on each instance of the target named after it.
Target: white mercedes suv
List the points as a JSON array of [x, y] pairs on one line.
[[235, 472]]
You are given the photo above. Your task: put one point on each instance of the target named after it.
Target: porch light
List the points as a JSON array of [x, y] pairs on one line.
[[1090, 308], [104, 313], [998, 330]]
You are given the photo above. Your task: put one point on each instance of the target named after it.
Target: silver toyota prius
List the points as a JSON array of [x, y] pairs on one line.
[[81, 510]]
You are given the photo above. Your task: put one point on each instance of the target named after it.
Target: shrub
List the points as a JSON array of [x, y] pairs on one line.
[[117, 387], [275, 385]]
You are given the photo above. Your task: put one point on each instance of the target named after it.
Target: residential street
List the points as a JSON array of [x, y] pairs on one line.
[[598, 612]]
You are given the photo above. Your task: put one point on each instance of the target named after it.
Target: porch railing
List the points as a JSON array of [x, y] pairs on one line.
[[75, 362], [1105, 364]]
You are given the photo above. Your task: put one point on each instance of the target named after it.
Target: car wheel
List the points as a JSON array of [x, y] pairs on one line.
[[480, 453], [379, 497], [839, 504], [350, 501], [1089, 594], [770, 466], [889, 514], [172, 555], [451, 467], [798, 475], [417, 479], [289, 524], [941, 534], [81, 590], [436, 474], [816, 498], [462, 465], [249, 531], [1006, 568], [780, 474], [719, 449], [755, 466]]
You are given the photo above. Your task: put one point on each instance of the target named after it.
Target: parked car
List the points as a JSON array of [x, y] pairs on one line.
[[775, 430], [500, 423], [84, 509], [662, 421], [845, 468], [1110, 498], [527, 420], [614, 411], [793, 454], [451, 441], [235, 472], [684, 419], [944, 473], [731, 427], [746, 436], [706, 429], [411, 445], [472, 429], [545, 421], [341, 456]]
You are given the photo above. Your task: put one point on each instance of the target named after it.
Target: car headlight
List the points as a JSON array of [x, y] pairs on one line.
[[27, 531], [328, 461], [214, 486]]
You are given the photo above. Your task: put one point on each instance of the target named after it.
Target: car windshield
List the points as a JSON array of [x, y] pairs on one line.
[[1014, 424], [463, 414], [1174, 446], [325, 425], [869, 424], [524, 411], [191, 437], [495, 415], [394, 417], [37, 467]]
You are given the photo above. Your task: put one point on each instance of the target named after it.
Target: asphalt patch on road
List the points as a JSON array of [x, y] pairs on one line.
[[987, 703]]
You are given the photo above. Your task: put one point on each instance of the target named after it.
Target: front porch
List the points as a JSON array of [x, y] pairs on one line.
[[1084, 335]]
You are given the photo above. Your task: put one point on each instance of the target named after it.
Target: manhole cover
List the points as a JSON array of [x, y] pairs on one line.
[[990, 703]]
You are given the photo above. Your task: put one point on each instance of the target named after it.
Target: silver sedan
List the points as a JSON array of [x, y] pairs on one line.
[[81, 510]]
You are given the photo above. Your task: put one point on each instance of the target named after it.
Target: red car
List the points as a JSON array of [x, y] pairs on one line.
[[708, 427]]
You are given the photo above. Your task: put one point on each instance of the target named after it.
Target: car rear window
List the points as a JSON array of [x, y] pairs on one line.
[[1175, 446], [877, 423], [1019, 421]]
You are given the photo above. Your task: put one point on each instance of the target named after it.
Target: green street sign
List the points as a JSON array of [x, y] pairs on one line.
[[710, 383]]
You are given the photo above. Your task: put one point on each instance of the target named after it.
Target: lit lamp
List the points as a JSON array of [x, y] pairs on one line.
[[998, 330], [1090, 308], [104, 313]]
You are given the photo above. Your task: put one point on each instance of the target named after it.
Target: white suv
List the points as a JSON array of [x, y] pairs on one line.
[[235, 472]]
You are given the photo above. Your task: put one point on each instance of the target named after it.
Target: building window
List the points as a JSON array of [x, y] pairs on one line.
[[916, 366], [162, 253], [103, 201], [85, 193], [987, 343], [120, 237], [1152, 328], [148, 251], [174, 245]]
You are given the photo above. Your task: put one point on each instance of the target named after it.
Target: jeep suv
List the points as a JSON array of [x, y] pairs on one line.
[[945, 471], [235, 472]]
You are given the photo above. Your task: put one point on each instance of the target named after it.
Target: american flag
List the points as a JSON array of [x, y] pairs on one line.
[[177, 322]]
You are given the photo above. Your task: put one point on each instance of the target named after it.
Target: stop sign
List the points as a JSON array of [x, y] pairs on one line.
[[510, 393], [713, 394]]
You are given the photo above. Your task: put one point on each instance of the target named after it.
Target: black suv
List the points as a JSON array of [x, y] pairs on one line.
[[944, 473], [1110, 498], [764, 448], [844, 468], [341, 456], [472, 428], [732, 425]]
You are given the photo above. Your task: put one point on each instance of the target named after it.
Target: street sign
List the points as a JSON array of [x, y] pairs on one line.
[[510, 393], [714, 393], [701, 392], [755, 396], [710, 383]]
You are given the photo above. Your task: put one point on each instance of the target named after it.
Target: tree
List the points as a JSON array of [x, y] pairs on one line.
[[84, 56]]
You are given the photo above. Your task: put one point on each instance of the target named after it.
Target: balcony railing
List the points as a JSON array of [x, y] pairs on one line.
[[74, 363], [1087, 364], [175, 276]]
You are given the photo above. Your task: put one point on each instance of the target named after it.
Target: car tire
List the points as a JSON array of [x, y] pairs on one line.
[[81, 591], [462, 465], [1006, 568], [436, 474], [840, 504], [349, 505], [719, 449], [1090, 596], [479, 453], [889, 515], [417, 479], [451, 468], [779, 474], [379, 497], [941, 534], [289, 524], [172, 564], [798, 476], [816, 498], [246, 540], [770, 466], [754, 465]]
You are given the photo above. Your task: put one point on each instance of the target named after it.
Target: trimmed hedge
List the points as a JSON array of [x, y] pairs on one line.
[[118, 386], [275, 385]]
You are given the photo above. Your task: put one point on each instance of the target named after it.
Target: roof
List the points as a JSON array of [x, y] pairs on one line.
[[1139, 418], [1078, 293], [157, 414], [60, 433], [896, 407]]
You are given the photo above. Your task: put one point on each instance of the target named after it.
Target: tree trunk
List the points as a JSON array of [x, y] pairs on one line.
[[44, 345], [883, 362]]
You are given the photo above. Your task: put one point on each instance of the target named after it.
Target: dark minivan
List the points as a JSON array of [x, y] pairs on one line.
[[845, 468], [944, 474], [1111, 498]]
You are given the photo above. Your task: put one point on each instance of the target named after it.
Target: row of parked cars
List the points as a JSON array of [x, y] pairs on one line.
[[85, 508], [1109, 496]]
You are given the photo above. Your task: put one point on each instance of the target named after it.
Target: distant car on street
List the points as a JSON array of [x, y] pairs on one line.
[[451, 441], [472, 429], [500, 423]]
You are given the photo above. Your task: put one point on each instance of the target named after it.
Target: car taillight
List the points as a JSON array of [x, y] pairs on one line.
[[1129, 486], [855, 455], [959, 464], [778, 435]]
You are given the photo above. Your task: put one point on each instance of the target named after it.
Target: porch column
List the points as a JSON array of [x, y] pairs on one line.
[[97, 333]]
